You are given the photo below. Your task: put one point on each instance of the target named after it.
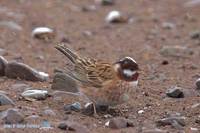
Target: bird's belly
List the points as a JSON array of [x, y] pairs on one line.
[[110, 96]]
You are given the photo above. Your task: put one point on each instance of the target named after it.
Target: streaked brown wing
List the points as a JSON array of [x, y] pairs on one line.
[[92, 72]]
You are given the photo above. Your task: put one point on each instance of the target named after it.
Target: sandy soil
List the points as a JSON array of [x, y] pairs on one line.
[[142, 39]]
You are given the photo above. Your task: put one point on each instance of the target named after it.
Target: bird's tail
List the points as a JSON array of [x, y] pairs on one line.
[[72, 56]]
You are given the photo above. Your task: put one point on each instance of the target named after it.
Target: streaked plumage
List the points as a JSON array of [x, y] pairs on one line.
[[103, 83]]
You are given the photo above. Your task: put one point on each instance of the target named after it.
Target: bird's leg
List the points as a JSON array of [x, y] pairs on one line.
[[94, 109]]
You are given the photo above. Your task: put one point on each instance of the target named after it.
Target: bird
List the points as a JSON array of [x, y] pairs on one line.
[[104, 83]]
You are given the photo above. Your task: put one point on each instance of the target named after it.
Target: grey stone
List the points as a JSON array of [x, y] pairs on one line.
[[73, 126], [156, 130], [198, 84], [11, 25], [195, 35], [63, 82], [168, 25], [73, 107], [175, 92], [24, 72], [3, 52], [176, 121], [176, 51], [12, 116], [49, 112], [105, 2], [20, 86], [192, 3], [89, 109], [118, 123], [4, 100], [35, 94], [3, 63]]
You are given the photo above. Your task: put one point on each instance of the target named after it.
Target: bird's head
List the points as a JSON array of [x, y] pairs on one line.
[[127, 69]]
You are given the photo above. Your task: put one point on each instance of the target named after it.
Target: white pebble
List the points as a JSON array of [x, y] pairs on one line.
[[140, 111], [194, 129], [44, 33], [113, 16], [107, 123], [36, 94]]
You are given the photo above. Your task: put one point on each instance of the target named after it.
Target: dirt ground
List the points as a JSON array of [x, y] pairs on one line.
[[141, 39]]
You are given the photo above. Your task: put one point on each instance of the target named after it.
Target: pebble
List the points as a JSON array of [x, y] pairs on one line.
[[73, 126], [43, 33], [89, 8], [154, 131], [176, 121], [89, 110], [105, 2], [192, 3], [140, 111], [195, 35], [4, 100], [175, 92], [118, 123], [49, 112], [35, 94], [176, 51], [73, 107], [63, 82], [20, 86], [3, 52], [24, 72], [198, 83], [168, 25], [115, 17], [3, 63], [12, 116], [11, 25]]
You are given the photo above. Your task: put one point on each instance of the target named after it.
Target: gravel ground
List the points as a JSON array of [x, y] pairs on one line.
[[153, 25]]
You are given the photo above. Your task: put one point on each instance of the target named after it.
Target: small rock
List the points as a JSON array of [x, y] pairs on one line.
[[115, 17], [89, 8], [11, 25], [20, 86], [63, 82], [3, 52], [23, 71], [73, 126], [192, 3], [176, 51], [168, 25], [4, 100], [3, 63], [73, 107], [165, 62], [87, 33], [198, 84], [175, 92], [197, 105], [12, 116], [195, 35], [118, 123], [176, 121], [49, 112], [140, 111], [105, 2], [89, 109], [154, 131], [43, 33], [194, 129], [35, 94]]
